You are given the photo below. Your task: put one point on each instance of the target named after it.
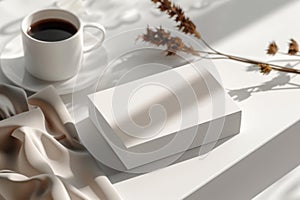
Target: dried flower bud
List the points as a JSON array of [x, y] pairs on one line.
[[293, 47], [272, 49], [265, 68], [160, 37], [191, 50], [155, 1], [175, 44]]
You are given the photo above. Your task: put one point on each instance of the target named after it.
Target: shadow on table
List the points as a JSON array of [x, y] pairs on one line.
[[234, 15], [218, 23], [116, 176], [287, 188], [282, 79], [86, 131]]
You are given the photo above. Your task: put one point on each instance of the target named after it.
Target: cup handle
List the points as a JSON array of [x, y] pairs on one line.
[[99, 42]]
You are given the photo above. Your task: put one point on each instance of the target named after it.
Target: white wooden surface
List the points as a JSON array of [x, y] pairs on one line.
[[267, 147]]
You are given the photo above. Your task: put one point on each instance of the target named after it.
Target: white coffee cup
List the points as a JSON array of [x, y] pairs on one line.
[[56, 60]]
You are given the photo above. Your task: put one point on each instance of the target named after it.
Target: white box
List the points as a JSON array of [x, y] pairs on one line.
[[194, 110]]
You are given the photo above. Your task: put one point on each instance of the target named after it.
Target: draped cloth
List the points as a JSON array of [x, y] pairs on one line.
[[12, 101], [40, 154]]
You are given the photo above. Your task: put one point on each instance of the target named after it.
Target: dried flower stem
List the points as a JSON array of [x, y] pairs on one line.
[[255, 62], [160, 37]]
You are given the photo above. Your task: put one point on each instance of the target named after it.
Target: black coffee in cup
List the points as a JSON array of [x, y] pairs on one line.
[[52, 30]]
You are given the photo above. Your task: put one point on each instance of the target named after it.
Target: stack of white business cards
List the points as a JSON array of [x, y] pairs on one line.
[[164, 114]]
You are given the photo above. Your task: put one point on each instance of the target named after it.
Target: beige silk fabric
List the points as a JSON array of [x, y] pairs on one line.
[[41, 157], [12, 101]]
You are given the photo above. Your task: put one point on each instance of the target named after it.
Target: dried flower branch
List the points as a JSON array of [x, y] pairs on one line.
[[184, 23], [160, 37]]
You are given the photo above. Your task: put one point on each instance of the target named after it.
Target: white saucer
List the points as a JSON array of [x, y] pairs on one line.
[[12, 65]]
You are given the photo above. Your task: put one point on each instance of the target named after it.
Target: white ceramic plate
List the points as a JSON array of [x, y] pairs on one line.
[[12, 65]]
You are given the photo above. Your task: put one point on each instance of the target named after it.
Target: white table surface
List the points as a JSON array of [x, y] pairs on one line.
[[266, 149]]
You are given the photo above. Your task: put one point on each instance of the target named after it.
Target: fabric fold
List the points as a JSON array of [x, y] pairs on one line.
[[35, 188], [41, 156], [13, 101]]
